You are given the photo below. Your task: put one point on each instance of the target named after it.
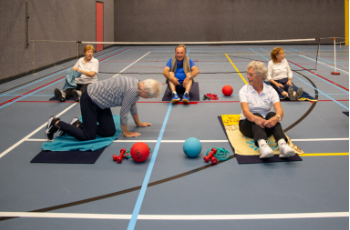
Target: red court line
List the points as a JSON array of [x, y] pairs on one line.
[[320, 76], [13, 99], [167, 102], [113, 55]]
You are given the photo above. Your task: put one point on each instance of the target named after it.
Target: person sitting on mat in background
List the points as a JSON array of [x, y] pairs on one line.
[[180, 71], [88, 67], [280, 75], [257, 120], [95, 105]]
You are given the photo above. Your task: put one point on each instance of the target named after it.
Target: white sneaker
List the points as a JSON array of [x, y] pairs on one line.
[[286, 151], [266, 151]]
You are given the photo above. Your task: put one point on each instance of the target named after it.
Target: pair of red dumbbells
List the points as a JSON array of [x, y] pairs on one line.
[[211, 157], [119, 158]]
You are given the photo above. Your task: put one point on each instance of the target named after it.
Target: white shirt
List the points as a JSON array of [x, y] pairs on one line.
[[91, 65], [258, 103], [277, 71]]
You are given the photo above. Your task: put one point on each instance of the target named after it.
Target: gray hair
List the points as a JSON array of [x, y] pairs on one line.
[[152, 87], [259, 69]]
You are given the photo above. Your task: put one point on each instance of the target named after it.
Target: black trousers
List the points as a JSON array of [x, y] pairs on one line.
[[252, 130], [91, 114], [284, 83], [179, 88], [69, 91]]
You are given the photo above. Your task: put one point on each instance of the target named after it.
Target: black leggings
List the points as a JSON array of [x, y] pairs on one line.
[[69, 91], [91, 114], [252, 130]]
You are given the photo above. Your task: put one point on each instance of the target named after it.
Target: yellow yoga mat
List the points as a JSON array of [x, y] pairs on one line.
[[244, 145]]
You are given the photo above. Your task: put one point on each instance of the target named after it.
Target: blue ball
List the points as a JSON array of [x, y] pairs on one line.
[[192, 147]]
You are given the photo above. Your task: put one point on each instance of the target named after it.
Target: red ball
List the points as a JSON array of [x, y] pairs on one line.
[[227, 90], [139, 152]]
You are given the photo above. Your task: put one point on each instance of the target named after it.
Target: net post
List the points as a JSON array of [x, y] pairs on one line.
[[318, 51], [335, 59]]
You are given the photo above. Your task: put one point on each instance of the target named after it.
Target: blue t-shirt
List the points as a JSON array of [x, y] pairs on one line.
[[180, 74]]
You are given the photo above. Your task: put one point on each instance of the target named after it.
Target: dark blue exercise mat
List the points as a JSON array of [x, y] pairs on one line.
[[256, 159], [194, 93], [304, 97], [54, 98], [68, 157], [243, 159]]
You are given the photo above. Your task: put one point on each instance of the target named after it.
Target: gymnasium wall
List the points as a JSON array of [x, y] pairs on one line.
[[62, 20], [227, 20]]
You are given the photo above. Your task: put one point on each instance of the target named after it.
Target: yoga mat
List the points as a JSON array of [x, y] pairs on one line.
[[54, 98], [68, 150], [244, 147], [69, 143], [68, 157], [194, 93], [304, 97]]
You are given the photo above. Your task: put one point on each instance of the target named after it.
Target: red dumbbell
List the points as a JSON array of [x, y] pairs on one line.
[[214, 161], [210, 155], [119, 158]]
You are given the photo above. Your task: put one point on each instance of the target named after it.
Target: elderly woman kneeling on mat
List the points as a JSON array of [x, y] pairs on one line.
[[257, 119], [95, 106]]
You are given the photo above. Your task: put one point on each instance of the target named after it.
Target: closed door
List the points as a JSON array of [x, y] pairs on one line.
[[99, 25]]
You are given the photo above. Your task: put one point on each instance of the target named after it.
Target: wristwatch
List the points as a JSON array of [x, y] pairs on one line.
[[279, 116]]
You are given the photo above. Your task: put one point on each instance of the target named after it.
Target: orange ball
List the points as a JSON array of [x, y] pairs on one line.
[[139, 152], [227, 90]]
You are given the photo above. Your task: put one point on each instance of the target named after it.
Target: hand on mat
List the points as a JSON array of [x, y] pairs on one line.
[[143, 124], [131, 134], [175, 81], [271, 122], [75, 68], [289, 82]]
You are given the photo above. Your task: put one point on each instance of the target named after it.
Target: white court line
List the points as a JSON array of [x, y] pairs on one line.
[[205, 141], [131, 64], [32, 133], [322, 139], [176, 217], [323, 63], [26, 138]]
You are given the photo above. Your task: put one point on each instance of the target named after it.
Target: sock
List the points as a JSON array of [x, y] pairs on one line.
[[187, 93], [281, 142], [174, 92], [261, 142]]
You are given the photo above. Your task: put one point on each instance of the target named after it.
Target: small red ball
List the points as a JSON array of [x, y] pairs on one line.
[[139, 152], [227, 90]]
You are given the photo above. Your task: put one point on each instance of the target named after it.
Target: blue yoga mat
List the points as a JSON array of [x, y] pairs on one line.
[[68, 150], [304, 97], [69, 143]]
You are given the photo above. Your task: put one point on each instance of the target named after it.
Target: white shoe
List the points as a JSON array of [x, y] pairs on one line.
[[266, 151], [286, 151]]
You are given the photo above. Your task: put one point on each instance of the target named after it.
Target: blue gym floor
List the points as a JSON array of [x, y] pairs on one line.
[[170, 191]]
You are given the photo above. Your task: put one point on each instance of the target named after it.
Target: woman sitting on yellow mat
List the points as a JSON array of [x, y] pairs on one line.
[[257, 119]]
